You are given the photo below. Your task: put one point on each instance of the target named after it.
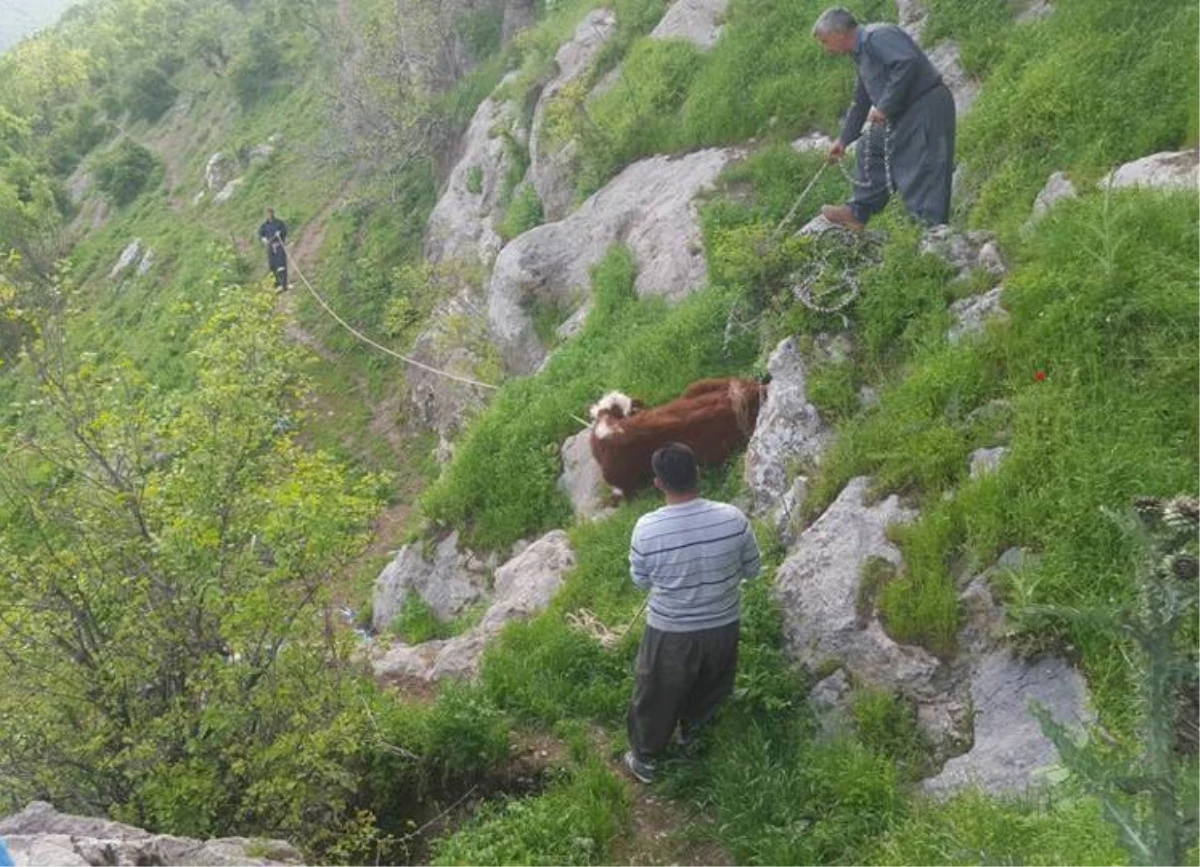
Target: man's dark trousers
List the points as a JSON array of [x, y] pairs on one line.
[[681, 677]]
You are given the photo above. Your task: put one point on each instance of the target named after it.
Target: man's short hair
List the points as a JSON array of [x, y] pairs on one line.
[[834, 20], [675, 466]]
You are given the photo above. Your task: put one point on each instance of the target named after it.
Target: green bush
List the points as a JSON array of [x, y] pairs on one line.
[[124, 172], [523, 213], [149, 93], [256, 67]]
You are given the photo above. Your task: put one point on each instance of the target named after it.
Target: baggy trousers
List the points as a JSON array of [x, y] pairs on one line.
[[681, 677], [922, 158], [277, 262]]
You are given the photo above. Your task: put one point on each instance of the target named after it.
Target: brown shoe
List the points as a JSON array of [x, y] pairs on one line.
[[841, 215]]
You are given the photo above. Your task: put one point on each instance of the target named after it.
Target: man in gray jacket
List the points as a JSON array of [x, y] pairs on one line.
[[692, 555], [911, 114]]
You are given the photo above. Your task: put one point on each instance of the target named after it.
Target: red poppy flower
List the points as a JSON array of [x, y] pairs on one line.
[[1040, 376]]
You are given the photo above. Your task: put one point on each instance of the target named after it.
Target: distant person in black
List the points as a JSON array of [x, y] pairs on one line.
[[273, 233]]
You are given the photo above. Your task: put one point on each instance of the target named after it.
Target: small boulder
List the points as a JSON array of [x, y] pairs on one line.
[[964, 251], [128, 256], [789, 430], [524, 586], [697, 21], [581, 479], [218, 171], [228, 190], [1058, 188], [972, 314], [1163, 171], [814, 142], [448, 580], [985, 461]]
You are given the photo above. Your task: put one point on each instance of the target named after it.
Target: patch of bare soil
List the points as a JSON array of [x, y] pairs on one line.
[[662, 832]]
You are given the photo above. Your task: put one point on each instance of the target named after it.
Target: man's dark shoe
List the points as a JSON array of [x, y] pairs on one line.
[[644, 771], [841, 215]]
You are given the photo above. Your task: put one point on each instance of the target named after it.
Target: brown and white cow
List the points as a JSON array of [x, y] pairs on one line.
[[715, 417]]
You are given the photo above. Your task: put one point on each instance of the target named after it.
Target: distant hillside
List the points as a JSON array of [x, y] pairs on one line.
[[19, 18]]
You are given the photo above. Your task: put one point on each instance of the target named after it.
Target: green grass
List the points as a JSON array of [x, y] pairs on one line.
[[1096, 83], [574, 822], [1103, 301], [417, 622], [501, 483]]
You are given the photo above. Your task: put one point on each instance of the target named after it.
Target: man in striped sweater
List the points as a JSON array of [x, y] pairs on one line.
[[692, 555]]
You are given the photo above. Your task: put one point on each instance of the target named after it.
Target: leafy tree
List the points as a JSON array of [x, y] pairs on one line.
[[167, 652], [123, 172]]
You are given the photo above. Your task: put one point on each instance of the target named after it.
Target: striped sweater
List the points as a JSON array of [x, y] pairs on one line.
[[692, 557]]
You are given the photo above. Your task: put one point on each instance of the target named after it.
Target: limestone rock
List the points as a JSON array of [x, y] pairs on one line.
[[449, 581], [581, 479], [218, 171], [463, 224], [788, 430], [1058, 187], [1037, 10], [697, 21], [147, 262], [911, 16], [984, 461], [964, 251], [814, 142], [456, 341], [946, 58], [551, 170], [1164, 171], [524, 585], [830, 700], [817, 587], [972, 314], [128, 256], [649, 206], [228, 190], [1010, 751], [40, 835]]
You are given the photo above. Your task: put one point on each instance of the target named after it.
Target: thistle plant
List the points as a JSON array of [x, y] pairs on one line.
[[1146, 798]]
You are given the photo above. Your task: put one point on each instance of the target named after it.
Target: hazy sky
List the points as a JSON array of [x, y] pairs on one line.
[[21, 17]]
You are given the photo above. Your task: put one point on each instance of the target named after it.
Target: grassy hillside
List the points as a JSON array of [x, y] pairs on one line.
[[190, 491]]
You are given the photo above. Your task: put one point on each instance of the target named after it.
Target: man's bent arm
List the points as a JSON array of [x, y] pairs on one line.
[[852, 125]]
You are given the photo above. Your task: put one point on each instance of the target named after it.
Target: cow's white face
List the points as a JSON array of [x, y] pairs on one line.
[[614, 403]]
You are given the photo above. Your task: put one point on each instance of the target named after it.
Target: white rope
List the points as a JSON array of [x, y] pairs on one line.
[[367, 340]]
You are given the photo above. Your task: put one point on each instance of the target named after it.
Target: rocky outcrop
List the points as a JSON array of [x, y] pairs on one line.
[[817, 587], [789, 431], [1058, 188], [697, 21], [814, 142], [524, 585], [455, 341], [946, 58], [581, 479], [551, 169], [218, 171], [463, 224], [129, 255], [447, 579], [971, 315], [985, 461], [1179, 170], [40, 835], [829, 615], [650, 206], [964, 251], [1009, 754]]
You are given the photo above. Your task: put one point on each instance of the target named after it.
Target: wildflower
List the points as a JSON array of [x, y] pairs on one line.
[[1040, 376]]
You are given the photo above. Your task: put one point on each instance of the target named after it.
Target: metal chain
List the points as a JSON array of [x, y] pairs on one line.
[[871, 141]]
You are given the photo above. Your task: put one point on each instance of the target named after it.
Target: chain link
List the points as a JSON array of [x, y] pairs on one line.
[[871, 140]]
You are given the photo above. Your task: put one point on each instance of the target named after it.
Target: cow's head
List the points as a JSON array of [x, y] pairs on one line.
[[613, 407]]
